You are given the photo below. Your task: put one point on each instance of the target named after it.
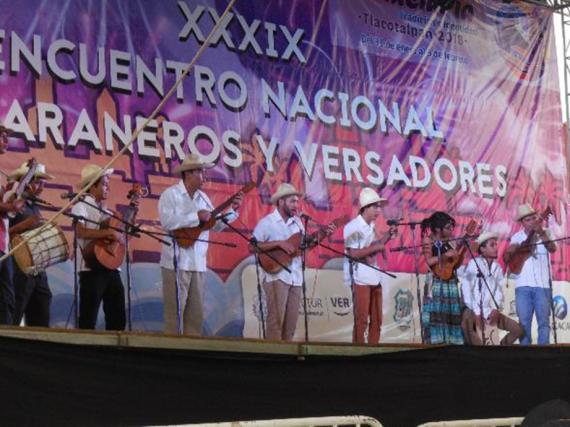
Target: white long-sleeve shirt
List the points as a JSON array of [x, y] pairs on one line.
[[494, 277], [273, 227], [534, 272], [177, 209]]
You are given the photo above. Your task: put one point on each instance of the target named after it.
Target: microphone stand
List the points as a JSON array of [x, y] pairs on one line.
[[175, 254], [303, 282], [176, 286], [412, 226], [554, 328], [75, 275], [128, 267], [253, 242]]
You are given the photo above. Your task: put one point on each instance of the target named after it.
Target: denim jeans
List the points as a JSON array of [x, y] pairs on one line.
[[530, 299]]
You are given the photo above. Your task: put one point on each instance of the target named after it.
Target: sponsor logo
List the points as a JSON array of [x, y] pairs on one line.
[[315, 307], [403, 301], [560, 307], [341, 306]]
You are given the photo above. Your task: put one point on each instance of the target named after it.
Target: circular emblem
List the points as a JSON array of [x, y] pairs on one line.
[[560, 307]]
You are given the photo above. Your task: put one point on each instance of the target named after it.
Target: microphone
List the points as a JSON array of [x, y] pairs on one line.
[[392, 222], [36, 199], [304, 216], [69, 195]]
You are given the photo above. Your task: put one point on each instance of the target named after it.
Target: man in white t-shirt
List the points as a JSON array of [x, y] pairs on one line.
[[97, 283], [362, 243], [532, 284]]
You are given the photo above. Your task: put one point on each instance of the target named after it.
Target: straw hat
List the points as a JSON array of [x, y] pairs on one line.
[[487, 235], [24, 168], [91, 171], [192, 162], [285, 190], [524, 210], [368, 197]]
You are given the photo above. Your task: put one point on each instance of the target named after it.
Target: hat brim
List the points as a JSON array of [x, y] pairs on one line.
[[381, 200], [184, 168], [278, 196], [41, 175], [87, 180], [521, 217], [478, 243]]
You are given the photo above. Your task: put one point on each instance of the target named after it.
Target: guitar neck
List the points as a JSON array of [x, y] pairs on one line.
[[227, 203]]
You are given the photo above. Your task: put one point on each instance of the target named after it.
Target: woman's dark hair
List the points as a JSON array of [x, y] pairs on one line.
[[437, 221]]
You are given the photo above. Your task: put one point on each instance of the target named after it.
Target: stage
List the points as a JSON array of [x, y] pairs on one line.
[[63, 377]]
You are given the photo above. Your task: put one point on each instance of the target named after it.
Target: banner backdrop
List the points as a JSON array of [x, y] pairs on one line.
[[452, 108]]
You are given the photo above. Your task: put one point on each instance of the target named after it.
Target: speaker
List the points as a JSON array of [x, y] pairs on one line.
[[551, 413]]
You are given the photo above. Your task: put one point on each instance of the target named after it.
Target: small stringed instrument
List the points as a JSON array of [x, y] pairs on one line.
[[526, 248], [104, 253], [186, 236], [445, 269], [492, 334], [273, 261], [15, 192]]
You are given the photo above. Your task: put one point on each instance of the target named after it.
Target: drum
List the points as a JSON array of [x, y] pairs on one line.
[[45, 248]]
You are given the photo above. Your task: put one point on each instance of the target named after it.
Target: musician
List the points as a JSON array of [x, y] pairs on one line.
[[442, 306], [283, 289], [487, 292], [362, 243], [6, 266], [32, 292], [186, 205], [96, 283], [532, 285]]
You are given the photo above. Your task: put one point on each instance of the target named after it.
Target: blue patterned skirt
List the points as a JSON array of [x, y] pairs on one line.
[[442, 313]]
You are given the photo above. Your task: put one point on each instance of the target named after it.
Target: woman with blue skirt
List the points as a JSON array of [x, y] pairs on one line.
[[442, 302]]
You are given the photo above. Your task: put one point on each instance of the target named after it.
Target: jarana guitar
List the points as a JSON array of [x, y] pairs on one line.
[[273, 261], [104, 253], [186, 236], [516, 261], [446, 268]]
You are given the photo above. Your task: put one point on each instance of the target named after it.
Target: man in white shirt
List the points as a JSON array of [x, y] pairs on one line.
[[184, 205], [487, 293], [282, 289], [362, 243], [532, 284], [96, 283], [6, 268]]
